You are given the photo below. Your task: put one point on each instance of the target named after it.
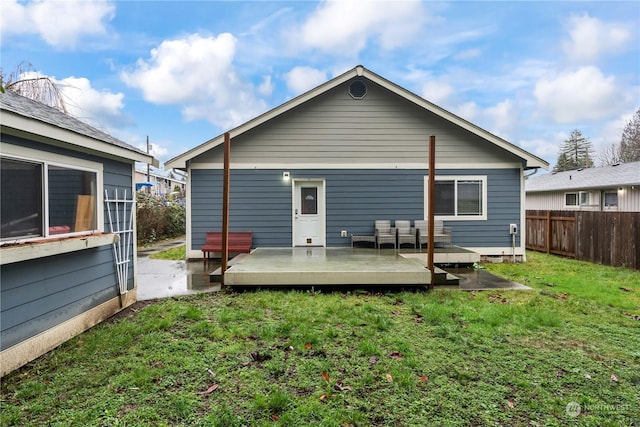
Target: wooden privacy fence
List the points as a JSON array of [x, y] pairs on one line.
[[609, 238]]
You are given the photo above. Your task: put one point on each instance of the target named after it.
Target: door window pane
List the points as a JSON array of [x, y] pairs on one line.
[[21, 204], [309, 198]]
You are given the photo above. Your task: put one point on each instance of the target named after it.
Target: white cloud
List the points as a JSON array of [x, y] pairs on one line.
[[502, 117], [59, 23], [197, 72], [302, 79], [266, 87], [100, 108], [590, 38], [345, 27], [467, 54], [545, 148], [584, 94], [437, 91]]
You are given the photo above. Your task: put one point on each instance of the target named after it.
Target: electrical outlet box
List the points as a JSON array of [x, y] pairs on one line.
[[513, 228], [343, 233]]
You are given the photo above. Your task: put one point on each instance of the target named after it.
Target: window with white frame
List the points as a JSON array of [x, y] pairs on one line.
[[42, 198], [611, 199], [460, 197], [581, 198]]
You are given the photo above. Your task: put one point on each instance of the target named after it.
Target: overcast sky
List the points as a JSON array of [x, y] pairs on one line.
[[183, 72]]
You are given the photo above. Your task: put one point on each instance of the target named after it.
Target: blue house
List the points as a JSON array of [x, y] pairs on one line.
[[328, 163], [66, 198]]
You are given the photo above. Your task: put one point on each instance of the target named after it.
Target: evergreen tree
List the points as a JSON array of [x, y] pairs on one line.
[[576, 152]]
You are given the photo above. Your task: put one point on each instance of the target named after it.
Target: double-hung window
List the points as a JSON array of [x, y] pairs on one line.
[[459, 197], [44, 194]]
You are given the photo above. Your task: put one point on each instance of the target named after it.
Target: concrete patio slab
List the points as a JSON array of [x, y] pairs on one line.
[[326, 266]]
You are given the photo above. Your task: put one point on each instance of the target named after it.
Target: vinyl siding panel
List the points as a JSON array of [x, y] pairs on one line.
[[628, 200], [262, 202], [36, 295], [333, 128]]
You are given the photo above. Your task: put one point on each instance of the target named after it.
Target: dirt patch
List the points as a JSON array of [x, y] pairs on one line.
[[129, 312]]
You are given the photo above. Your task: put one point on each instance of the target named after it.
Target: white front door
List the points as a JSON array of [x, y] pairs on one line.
[[308, 213]]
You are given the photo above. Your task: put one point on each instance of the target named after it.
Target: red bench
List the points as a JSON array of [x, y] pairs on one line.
[[239, 242]]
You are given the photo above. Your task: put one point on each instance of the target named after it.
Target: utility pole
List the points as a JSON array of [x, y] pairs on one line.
[[148, 167]]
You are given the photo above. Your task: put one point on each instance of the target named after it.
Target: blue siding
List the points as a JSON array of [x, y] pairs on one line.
[[38, 294], [261, 202]]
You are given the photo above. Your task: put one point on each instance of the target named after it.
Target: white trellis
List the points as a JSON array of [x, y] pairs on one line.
[[123, 227]]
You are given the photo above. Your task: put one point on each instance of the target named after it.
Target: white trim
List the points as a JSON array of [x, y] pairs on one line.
[[44, 157], [16, 124], [532, 161], [497, 251], [322, 212], [457, 178], [188, 224], [48, 247], [352, 166], [523, 217]]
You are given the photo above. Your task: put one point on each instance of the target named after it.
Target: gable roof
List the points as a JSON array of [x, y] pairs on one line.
[[22, 115], [623, 174], [531, 161]]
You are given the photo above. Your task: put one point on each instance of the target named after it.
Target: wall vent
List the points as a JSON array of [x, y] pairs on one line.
[[358, 89]]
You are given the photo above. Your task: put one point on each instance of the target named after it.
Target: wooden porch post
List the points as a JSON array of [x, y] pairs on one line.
[[224, 255], [432, 206]]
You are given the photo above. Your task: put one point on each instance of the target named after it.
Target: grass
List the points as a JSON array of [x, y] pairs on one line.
[[291, 358], [178, 253]]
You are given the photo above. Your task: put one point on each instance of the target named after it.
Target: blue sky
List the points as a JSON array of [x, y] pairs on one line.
[[183, 72]]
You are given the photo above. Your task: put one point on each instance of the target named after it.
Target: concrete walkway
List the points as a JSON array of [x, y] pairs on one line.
[[159, 278]]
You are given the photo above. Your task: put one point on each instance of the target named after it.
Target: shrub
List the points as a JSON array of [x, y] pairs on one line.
[[158, 218]]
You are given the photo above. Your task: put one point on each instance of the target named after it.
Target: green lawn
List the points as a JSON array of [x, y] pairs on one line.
[[291, 358]]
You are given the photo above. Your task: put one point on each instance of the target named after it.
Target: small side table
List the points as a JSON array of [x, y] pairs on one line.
[[370, 239]]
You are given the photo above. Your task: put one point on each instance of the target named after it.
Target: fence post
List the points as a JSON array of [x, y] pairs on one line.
[[548, 232]]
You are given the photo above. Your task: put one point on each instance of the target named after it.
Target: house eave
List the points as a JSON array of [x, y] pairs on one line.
[[26, 127], [530, 161]]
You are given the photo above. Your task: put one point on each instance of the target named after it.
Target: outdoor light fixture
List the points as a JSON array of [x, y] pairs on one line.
[[285, 176]]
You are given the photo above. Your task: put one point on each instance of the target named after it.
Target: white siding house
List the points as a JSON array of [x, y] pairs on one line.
[[613, 188]]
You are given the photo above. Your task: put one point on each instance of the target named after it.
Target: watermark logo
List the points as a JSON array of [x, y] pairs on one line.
[[573, 409]]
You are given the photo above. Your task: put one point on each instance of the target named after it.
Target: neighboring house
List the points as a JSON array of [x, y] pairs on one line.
[[331, 161], [165, 182], [607, 188], [58, 266]]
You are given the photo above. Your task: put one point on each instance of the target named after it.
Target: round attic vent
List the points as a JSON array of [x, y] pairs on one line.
[[357, 89]]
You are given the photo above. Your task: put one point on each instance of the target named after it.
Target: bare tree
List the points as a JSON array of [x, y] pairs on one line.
[[628, 150], [30, 84], [630, 141]]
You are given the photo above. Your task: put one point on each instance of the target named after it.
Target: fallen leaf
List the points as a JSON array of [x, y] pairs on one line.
[[424, 379], [389, 378], [323, 397], [373, 360], [340, 387], [396, 355], [587, 376], [345, 424], [418, 319], [274, 417], [308, 346], [510, 404], [614, 378], [551, 285], [210, 390], [626, 289], [325, 376]]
